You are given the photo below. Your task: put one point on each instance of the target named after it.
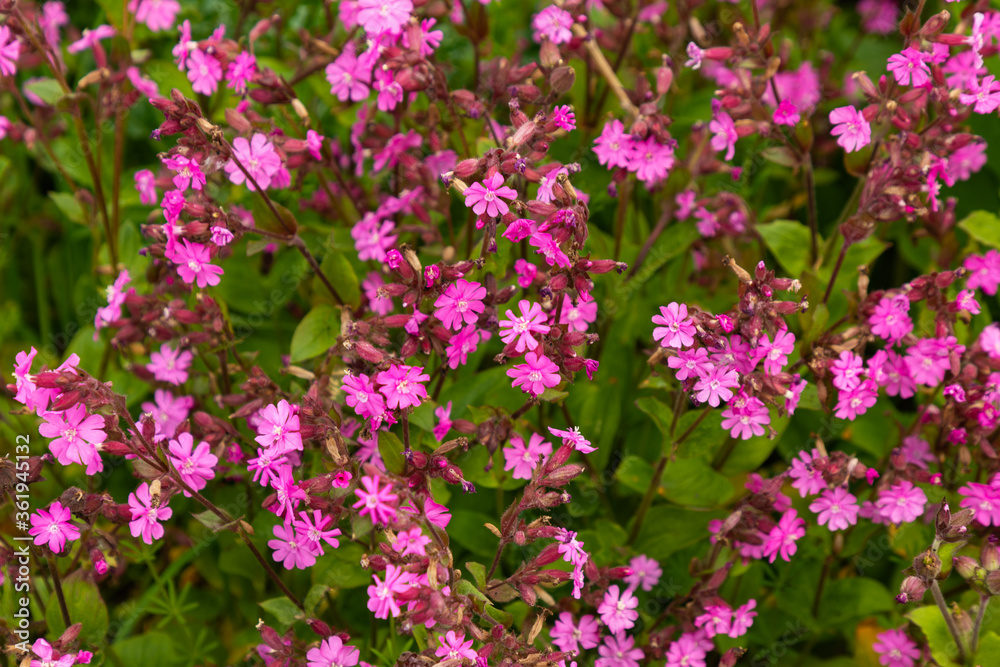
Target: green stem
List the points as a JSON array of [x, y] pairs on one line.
[[943, 606], [984, 601], [57, 586], [647, 499]]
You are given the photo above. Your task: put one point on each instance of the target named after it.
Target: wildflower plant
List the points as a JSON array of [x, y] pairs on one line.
[[383, 332]]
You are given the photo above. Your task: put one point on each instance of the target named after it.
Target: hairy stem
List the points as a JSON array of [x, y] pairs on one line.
[[943, 606], [57, 586], [984, 601]]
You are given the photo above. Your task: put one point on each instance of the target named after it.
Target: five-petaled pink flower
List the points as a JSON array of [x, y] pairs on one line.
[[460, 304], [278, 428], [522, 457], [349, 75], [553, 23], [147, 513], [188, 172], [54, 527], [520, 328], [363, 396], [241, 72], [156, 14], [896, 649], [380, 595], [377, 502], [291, 549], [381, 16], [10, 51], [782, 538], [618, 609], [194, 464], [204, 72], [677, 329], [853, 132], [571, 637], [76, 437], [485, 197], [145, 184], [402, 386], [258, 158], [455, 647], [716, 385], [910, 67], [535, 374], [837, 509], [333, 652], [194, 264], [902, 502]]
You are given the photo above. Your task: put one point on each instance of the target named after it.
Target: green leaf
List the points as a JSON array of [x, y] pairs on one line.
[[263, 218], [151, 649], [989, 649], [313, 597], [69, 206], [338, 269], [788, 241], [85, 605], [316, 333], [341, 567], [469, 530], [666, 530], [693, 483], [942, 645], [854, 598], [478, 572], [661, 414], [984, 227], [48, 89], [212, 521], [634, 473], [390, 447], [282, 609]]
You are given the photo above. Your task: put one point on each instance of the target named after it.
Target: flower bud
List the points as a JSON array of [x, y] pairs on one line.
[[989, 557], [965, 566], [562, 79], [911, 590], [927, 565], [993, 582]]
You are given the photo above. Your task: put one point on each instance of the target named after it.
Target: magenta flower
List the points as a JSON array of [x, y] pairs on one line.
[[847, 370], [10, 51], [436, 513], [564, 118], [896, 649], [390, 93], [614, 146], [646, 573], [716, 620], [380, 305], [686, 651], [485, 197], [204, 72], [837, 509], [290, 548], [147, 513], [287, 494], [574, 438], [168, 412], [786, 114], [373, 237], [532, 320], [891, 371], [54, 527], [619, 650], [278, 428], [851, 128], [650, 160], [50, 657], [901, 503], [854, 402], [984, 272], [808, 480], [548, 247], [578, 316], [241, 71], [984, 500], [259, 159], [314, 530], [690, 363], [145, 183], [89, 39], [156, 14], [533, 376], [910, 67], [929, 359], [402, 386], [716, 385], [333, 652], [76, 436], [375, 501], [523, 457], [742, 619], [984, 95], [723, 131], [695, 55], [461, 345], [188, 173], [412, 541], [553, 23], [618, 609], [677, 330], [891, 320], [443, 414], [194, 464], [380, 595], [266, 466], [349, 75], [455, 647], [781, 540], [381, 16], [570, 637], [745, 417], [461, 302], [194, 264]]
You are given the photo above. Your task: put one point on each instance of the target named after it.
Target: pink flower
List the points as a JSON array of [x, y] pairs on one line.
[[290, 548], [847, 370], [241, 71], [781, 540], [204, 72], [745, 417], [333, 652], [786, 114], [716, 620], [380, 595], [686, 651], [145, 184], [390, 92], [854, 402], [194, 464], [89, 39], [564, 118], [929, 359], [287, 493], [743, 619], [533, 376], [156, 14], [485, 197], [523, 457], [313, 529], [984, 95], [879, 16], [716, 385], [10, 51], [650, 160], [775, 354], [50, 657], [966, 161], [984, 500], [375, 501], [437, 514], [837, 509], [619, 650], [723, 131], [526, 272], [890, 319], [147, 513], [850, 126], [617, 609], [266, 467], [548, 247], [455, 647], [259, 159], [901, 503], [194, 264], [443, 414], [278, 428], [461, 302], [532, 320], [380, 16], [574, 438], [461, 345], [554, 24], [614, 146], [54, 527], [349, 75], [695, 55], [411, 541], [677, 328], [373, 237], [168, 412], [910, 67], [170, 365], [808, 480], [690, 363], [984, 272], [646, 573], [402, 386], [895, 649], [380, 305], [363, 397], [570, 637], [580, 315], [891, 371]]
